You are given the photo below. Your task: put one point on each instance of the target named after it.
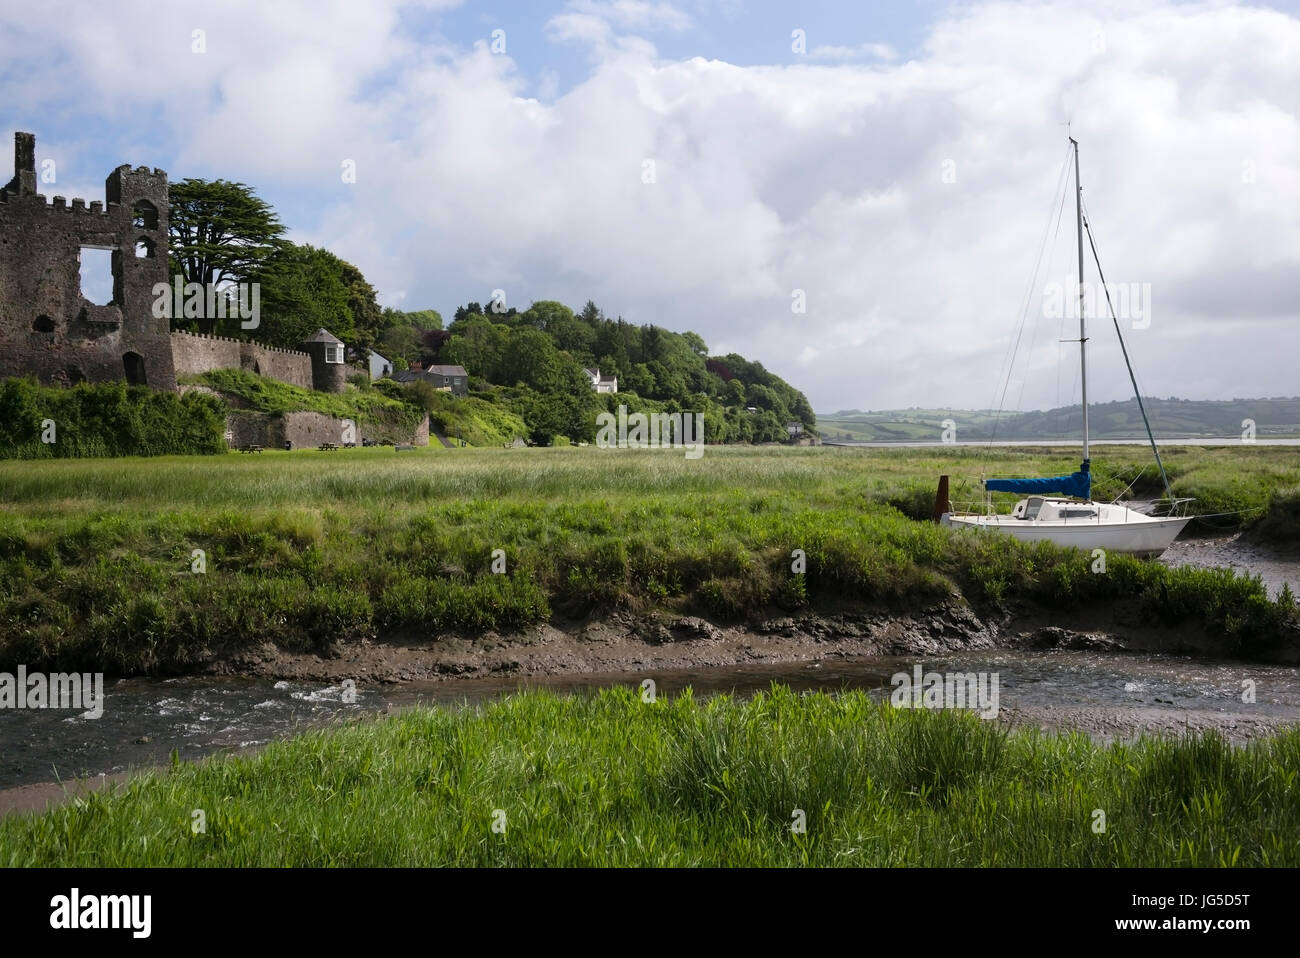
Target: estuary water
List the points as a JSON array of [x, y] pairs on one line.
[[145, 720]]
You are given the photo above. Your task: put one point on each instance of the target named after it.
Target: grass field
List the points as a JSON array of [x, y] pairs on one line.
[[309, 550], [540, 780]]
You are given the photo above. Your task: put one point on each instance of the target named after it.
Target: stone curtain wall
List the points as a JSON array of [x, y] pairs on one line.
[[194, 353], [306, 430]]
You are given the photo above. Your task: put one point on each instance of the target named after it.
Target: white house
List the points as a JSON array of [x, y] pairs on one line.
[[601, 385], [379, 366]]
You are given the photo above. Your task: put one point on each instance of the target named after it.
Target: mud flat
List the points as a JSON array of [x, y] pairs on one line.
[[626, 642]]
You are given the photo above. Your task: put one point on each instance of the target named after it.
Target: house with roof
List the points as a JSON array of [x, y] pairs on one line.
[[379, 366], [452, 379], [602, 384]]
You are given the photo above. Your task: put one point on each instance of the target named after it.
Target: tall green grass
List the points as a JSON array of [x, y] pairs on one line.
[[96, 420], [609, 779], [310, 550]]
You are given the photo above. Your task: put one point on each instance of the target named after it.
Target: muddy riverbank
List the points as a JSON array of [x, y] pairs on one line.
[[658, 639], [637, 642]]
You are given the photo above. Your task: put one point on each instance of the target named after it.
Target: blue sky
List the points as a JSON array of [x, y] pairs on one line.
[[896, 173]]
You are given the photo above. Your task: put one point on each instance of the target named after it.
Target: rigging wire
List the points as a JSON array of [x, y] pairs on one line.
[[1137, 392], [1056, 235]]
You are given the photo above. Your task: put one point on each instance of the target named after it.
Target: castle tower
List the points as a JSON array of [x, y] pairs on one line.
[[141, 196], [329, 373]]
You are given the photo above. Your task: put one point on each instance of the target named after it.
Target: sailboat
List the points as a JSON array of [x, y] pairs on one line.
[[1060, 509]]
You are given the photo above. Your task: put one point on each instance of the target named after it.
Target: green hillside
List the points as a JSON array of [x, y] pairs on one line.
[[1170, 418], [532, 364]]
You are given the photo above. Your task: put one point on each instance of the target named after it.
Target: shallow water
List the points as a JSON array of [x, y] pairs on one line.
[[144, 719]]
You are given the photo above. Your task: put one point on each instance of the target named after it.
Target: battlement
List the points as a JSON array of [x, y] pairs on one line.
[[241, 342], [60, 204], [141, 171]]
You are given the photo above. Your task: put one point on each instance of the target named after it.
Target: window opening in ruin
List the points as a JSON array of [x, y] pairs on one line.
[[144, 248], [97, 275], [43, 324], [145, 215]]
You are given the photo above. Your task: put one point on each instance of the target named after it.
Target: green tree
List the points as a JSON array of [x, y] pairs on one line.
[[400, 344], [696, 343], [303, 290], [367, 318], [479, 345], [423, 318], [545, 313], [220, 233]]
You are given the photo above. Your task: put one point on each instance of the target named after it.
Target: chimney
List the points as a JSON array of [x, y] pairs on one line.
[[24, 181]]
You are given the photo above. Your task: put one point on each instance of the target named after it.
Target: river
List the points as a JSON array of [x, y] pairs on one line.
[[146, 719]]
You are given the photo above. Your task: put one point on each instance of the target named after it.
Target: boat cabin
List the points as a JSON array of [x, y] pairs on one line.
[[1041, 508]]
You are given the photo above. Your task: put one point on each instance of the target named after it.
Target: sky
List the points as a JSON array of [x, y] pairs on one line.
[[867, 197]]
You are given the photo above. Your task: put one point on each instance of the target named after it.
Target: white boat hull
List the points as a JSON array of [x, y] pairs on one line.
[[1114, 529]]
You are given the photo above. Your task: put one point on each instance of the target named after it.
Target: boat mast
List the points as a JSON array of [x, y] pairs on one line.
[[1083, 332]]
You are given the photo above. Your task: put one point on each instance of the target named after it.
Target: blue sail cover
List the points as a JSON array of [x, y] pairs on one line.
[[1077, 484]]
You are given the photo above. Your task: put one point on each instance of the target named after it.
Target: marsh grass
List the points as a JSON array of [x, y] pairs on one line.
[[310, 550], [607, 779]]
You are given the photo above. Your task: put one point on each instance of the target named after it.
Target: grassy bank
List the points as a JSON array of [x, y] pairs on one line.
[[310, 550], [612, 780], [384, 410], [105, 419], [476, 421]]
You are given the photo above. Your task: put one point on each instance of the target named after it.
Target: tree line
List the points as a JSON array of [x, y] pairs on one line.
[[531, 361]]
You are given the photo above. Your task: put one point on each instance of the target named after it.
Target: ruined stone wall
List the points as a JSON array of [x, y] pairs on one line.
[[194, 353], [310, 429], [47, 327], [306, 430], [421, 437], [255, 429]]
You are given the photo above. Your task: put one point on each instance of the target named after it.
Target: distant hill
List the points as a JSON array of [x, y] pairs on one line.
[[1170, 419]]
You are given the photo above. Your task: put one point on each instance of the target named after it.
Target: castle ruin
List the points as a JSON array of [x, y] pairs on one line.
[[48, 328]]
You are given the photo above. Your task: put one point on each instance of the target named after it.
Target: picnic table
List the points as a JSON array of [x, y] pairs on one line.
[[251, 447], [328, 446]]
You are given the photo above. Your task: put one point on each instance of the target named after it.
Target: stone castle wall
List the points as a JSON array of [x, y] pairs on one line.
[[47, 327], [306, 430], [194, 353]]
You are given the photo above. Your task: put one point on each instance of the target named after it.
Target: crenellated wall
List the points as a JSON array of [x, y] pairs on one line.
[[195, 353]]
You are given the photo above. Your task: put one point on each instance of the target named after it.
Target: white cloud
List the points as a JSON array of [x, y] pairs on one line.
[[907, 199], [876, 51]]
